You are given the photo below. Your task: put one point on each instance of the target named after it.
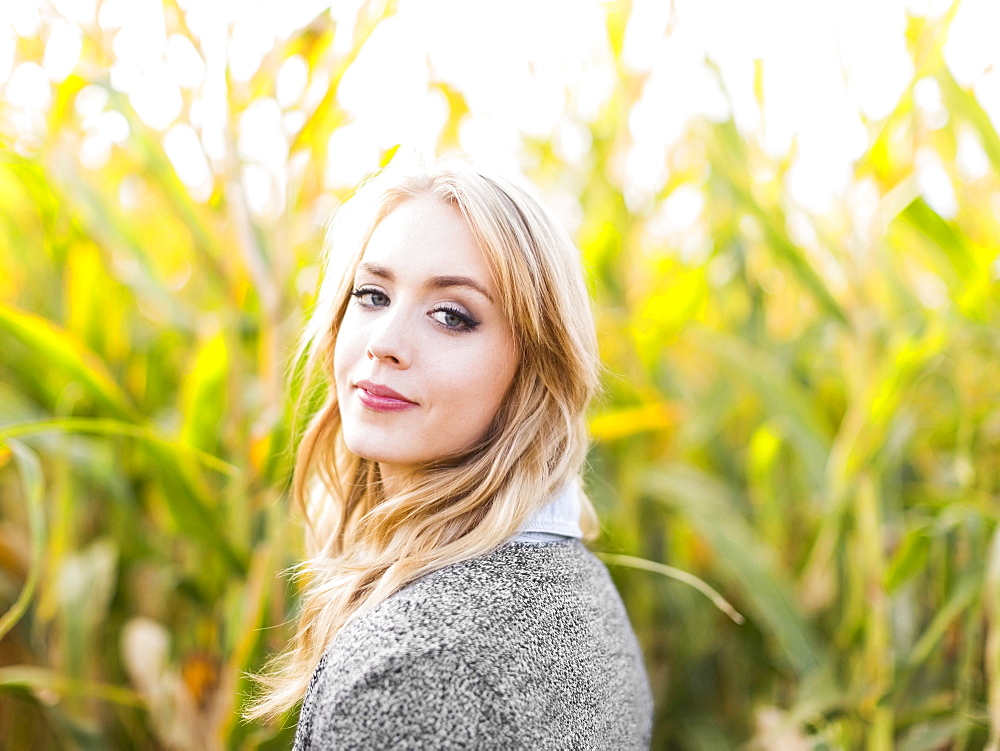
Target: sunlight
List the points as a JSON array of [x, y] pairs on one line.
[[805, 78]]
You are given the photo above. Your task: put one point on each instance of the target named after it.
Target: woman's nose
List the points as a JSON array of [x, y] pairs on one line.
[[389, 340]]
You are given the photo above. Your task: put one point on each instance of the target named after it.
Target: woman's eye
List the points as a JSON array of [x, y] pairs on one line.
[[371, 298], [454, 319]]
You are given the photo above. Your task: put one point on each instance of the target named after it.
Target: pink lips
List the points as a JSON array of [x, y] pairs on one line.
[[382, 398]]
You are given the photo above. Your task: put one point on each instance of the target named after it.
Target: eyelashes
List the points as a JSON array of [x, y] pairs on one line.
[[376, 298], [449, 317], [459, 319]]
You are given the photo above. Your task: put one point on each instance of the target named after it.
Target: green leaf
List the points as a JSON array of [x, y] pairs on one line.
[[34, 678], [705, 503], [54, 355], [117, 428], [781, 395], [184, 493], [33, 483], [910, 558], [964, 104], [204, 398], [191, 509], [946, 238], [963, 594]]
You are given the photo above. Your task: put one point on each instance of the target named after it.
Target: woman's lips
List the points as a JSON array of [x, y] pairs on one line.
[[380, 398]]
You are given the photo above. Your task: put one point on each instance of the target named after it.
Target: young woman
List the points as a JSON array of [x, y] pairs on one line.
[[451, 603]]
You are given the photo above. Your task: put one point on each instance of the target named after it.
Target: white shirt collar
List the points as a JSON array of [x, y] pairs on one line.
[[560, 515]]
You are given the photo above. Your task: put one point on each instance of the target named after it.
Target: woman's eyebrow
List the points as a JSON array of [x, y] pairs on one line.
[[435, 282], [440, 282], [375, 270]]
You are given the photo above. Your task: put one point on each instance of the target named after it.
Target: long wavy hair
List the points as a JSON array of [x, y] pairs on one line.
[[364, 544]]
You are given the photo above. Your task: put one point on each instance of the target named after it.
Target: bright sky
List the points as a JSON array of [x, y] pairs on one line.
[[537, 67]]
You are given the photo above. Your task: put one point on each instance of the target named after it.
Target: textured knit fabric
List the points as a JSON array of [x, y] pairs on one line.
[[528, 647]]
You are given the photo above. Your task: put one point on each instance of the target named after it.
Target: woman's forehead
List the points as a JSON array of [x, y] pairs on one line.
[[426, 237]]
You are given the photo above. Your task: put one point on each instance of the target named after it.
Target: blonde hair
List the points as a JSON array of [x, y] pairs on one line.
[[364, 545]]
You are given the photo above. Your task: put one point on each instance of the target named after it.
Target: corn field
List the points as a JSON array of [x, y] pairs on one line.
[[801, 409]]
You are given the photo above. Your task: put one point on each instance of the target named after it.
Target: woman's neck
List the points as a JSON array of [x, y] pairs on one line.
[[395, 478]]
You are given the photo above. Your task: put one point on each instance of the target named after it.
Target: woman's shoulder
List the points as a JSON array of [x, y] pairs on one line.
[[566, 565], [517, 580], [508, 613], [526, 626]]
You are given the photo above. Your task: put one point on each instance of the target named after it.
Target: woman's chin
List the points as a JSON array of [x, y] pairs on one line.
[[375, 450]]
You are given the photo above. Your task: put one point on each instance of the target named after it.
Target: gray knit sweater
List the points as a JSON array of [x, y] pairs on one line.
[[526, 647]]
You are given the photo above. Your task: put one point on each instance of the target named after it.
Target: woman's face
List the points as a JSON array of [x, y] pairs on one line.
[[424, 355]]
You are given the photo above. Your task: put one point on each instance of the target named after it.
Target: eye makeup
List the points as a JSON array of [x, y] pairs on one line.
[[449, 316], [465, 321], [376, 298]]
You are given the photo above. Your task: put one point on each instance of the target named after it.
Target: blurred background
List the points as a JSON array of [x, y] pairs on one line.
[[789, 212]]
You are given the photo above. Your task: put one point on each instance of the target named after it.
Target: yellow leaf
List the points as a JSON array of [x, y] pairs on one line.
[[631, 420]]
